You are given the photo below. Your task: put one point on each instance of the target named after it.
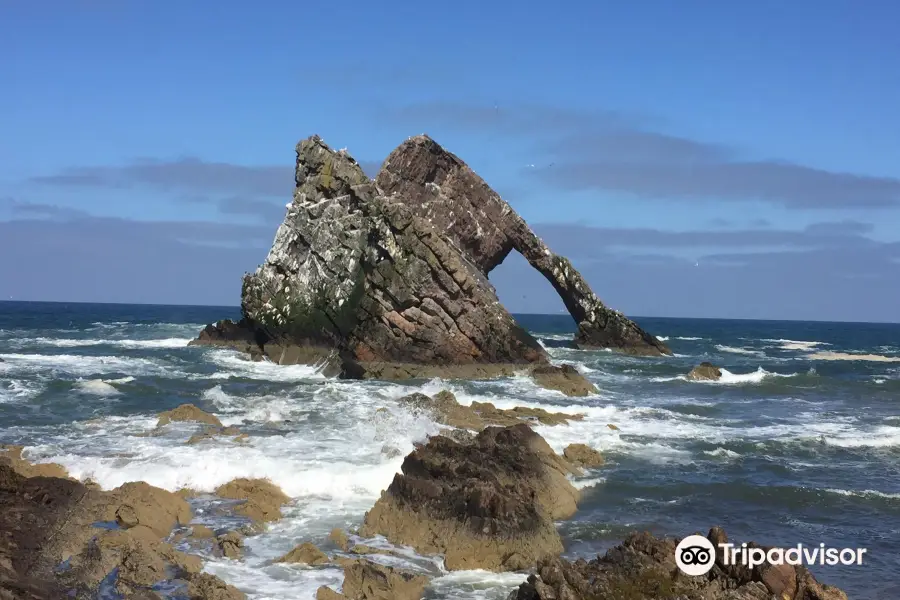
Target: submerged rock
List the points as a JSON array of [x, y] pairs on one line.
[[187, 412], [368, 282], [489, 504], [444, 409], [705, 372], [644, 568], [230, 545]]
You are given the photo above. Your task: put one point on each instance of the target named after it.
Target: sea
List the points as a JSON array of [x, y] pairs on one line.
[[790, 447]]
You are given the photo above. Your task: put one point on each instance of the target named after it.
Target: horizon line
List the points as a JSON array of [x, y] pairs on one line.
[[514, 313]]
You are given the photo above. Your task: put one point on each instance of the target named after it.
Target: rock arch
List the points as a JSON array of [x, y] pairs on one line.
[[435, 184]]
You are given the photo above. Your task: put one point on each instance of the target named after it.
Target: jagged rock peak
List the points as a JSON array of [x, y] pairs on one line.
[[388, 278]]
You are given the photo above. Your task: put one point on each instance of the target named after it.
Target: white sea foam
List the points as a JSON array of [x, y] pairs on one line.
[[18, 390], [79, 365], [735, 350], [233, 364], [729, 378], [864, 493], [663, 338], [124, 343], [802, 346], [689, 339], [96, 387]]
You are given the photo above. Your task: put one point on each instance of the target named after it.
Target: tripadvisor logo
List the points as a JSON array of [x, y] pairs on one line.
[[695, 555]]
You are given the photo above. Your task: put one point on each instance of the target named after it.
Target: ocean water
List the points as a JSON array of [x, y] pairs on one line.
[[788, 448]]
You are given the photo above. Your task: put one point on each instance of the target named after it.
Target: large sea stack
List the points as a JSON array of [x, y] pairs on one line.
[[388, 278]]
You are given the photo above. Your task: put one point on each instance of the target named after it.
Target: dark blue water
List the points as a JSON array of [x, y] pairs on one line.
[[797, 444]]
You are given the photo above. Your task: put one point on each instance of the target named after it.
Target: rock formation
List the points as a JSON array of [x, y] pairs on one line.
[[643, 568], [366, 580], [439, 186], [488, 504], [389, 279], [705, 371], [61, 539]]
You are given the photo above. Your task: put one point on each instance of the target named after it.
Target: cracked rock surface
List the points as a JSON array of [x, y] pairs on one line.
[[388, 279]]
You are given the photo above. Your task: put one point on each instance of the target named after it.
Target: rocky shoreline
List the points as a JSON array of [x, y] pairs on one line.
[[484, 494]]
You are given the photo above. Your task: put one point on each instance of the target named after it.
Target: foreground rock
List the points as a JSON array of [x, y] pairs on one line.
[[365, 580], [47, 521], [644, 568], [444, 409], [705, 372], [363, 282], [489, 504], [12, 457], [262, 498]]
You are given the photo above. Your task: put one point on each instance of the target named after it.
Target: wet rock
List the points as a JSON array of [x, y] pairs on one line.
[[138, 503], [613, 427], [230, 545], [187, 412], [12, 456], [444, 409], [201, 532], [481, 503], [643, 568], [326, 593], [365, 580], [213, 432], [583, 455], [47, 520], [305, 554], [204, 586], [339, 538], [263, 499], [565, 379], [705, 372]]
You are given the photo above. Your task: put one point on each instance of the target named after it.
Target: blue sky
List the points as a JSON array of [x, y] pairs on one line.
[[732, 159]]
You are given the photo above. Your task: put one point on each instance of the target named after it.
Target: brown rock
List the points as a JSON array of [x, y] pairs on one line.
[[263, 499], [437, 185], [12, 456], [138, 503], [204, 586], [365, 580], [479, 503], [201, 532], [388, 279], [705, 372], [583, 456], [305, 554], [230, 545], [444, 409], [565, 379], [326, 593], [339, 538], [643, 568], [47, 520], [613, 427], [187, 412]]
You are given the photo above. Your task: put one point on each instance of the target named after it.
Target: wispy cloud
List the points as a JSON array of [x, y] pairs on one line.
[[616, 151]]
